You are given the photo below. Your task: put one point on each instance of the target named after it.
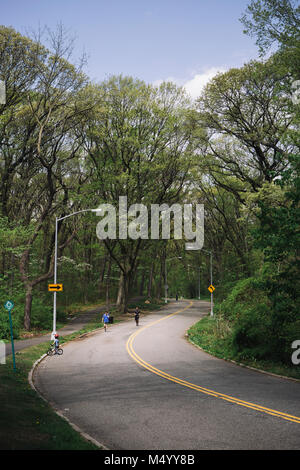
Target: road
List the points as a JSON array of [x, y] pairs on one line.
[[148, 388]]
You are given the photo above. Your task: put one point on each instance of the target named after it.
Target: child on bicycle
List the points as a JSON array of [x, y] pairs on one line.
[[56, 342]]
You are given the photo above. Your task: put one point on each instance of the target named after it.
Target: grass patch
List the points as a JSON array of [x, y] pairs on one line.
[[69, 313], [76, 308], [26, 421], [154, 304], [213, 336]]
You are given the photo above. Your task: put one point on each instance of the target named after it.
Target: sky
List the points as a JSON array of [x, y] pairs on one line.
[[184, 41]]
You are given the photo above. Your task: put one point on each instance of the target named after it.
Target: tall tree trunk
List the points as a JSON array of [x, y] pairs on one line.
[[150, 280], [102, 277], [120, 290], [158, 290], [108, 282], [27, 310], [141, 291], [122, 299]]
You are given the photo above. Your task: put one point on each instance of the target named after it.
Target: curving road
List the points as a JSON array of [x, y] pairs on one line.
[[148, 388]]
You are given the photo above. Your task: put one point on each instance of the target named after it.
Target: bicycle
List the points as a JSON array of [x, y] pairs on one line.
[[52, 351]]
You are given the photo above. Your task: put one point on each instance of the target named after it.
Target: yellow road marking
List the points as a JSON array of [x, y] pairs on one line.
[[154, 370]]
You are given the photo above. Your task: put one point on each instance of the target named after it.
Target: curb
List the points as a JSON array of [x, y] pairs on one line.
[[83, 434], [241, 364]]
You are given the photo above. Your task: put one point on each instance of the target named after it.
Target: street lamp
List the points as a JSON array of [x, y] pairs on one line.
[[166, 285], [211, 283], [199, 282], [58, 219]]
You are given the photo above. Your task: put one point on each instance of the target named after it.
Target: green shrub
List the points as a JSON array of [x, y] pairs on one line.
[[263, 317], [41, 314], [5, 326], [244, 295], [251, 334]]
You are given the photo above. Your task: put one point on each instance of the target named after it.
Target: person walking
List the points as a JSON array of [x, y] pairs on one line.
[[137, 316], [105, 320]]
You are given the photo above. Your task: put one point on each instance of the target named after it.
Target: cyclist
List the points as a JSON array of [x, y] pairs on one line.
[[56, 342]]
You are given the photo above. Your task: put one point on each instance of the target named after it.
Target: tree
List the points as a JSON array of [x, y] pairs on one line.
[[137, 145], [246, 115], [272, 21], [276, 23], [37, 143]]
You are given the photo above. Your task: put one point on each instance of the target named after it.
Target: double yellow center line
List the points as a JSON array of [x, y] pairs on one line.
[[184, 383]]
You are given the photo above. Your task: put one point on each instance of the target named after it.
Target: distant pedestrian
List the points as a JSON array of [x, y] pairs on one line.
[[105, 320], [176, 297], [137, 316]]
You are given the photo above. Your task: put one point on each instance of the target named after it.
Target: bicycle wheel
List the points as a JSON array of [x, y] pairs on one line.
[[60, 351], [50, 352]]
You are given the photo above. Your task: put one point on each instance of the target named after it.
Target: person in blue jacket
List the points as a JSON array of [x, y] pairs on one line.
[[105, 320]]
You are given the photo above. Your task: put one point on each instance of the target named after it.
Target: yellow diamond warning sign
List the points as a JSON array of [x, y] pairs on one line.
[[211, 288]]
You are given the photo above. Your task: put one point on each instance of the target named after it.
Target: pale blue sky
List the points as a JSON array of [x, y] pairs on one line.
[[182, 40]]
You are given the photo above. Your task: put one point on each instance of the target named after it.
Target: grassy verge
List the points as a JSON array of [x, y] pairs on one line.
[[26, 421], [212, 338]]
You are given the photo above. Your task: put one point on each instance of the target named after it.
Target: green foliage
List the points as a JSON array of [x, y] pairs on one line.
[[42, 314], [272, 21], [263, 319], [5, 326], [278, 234], [9, 291], [245, 294], [250, 338]]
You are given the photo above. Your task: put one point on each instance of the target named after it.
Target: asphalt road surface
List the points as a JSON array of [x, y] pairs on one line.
[[148, 388]]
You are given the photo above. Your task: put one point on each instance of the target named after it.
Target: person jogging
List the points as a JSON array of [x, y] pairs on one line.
[[105, 320], [137, 316]]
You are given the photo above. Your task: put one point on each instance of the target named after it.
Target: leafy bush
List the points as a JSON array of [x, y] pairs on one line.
[[244, 295], [41, 314], [250, 336], [263, 317], [5, 326]]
